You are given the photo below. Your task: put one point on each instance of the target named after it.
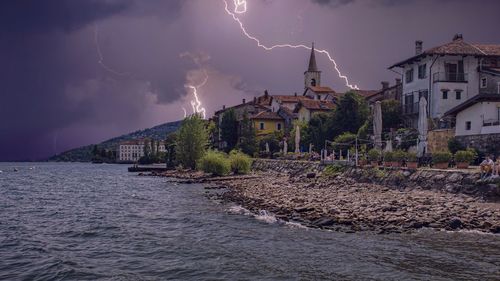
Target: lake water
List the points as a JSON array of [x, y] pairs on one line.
[[98, 222]]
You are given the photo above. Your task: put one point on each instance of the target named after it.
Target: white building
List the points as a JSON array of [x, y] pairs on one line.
[[133, 150], [480, 115], [448, 76]]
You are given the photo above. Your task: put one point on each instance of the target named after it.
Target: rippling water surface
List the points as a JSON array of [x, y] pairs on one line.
[[98, 222]]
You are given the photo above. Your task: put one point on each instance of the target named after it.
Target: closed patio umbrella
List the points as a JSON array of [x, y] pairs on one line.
[[377, 125], [422, 127]]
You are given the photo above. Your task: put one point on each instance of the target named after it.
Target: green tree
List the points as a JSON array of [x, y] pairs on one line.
[[454, 145], [170, 145], [316, 131], [351, 113], [391, 114], [344, 141], [247, 143], [229, 129], [95, 150], [192, 141]]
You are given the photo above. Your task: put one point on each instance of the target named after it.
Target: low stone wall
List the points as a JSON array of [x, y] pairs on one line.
[[451, 181], [292, 167], [487, 143]]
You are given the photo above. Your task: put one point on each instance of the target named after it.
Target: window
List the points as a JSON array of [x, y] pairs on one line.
[[422, 71], [458, 94], [445, 94], [468, 125], [409, 76], [278, 126], [261, 126], [484, 82], [313, 82]]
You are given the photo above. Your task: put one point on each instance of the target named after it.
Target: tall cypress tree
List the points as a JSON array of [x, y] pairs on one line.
[[229, 129]]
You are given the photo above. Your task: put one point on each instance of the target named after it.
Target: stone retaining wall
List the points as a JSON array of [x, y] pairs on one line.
[[487, 143], [452, 181], [292, 167]]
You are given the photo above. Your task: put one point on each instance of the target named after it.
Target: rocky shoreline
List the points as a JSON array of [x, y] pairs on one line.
[[342, 203]]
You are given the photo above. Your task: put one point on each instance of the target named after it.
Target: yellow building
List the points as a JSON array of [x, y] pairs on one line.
[[267, 122]]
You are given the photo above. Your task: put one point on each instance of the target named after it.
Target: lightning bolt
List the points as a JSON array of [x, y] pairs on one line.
[[240, 7], [196, 103], [100, 57], [185, 112]]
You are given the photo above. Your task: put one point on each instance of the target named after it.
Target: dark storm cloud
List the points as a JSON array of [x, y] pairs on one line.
[[50, 74], [35, 15], [56, 92], [338, 3]]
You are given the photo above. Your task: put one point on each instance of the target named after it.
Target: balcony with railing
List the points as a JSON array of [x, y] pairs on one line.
[[410, 108], [491, 126], [449, 77]]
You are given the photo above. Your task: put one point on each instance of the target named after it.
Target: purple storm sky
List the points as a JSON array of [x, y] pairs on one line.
[[55, 94]]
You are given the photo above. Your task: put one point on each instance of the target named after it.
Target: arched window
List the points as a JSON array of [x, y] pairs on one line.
[[313, 82]]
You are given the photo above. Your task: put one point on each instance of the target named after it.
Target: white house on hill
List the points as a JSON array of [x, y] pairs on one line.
[[447, 76]]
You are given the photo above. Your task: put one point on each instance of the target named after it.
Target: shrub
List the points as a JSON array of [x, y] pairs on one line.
[[411, 157], [399, 155], [215, 163], [454, 145], [441, 157], [344, 141], [373, 155], [389, 156], [464, 156], [240, 162]]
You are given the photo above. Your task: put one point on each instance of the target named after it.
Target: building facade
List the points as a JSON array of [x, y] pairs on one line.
[[133, 150], [446, 76], [267, 122]]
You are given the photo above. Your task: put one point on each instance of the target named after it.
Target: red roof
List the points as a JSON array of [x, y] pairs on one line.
[[366, 93], [289, 99], [268, 115], [321, 89], [316, 105], [457, 47]]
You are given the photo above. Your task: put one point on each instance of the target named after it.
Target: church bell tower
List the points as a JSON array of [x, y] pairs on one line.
[[312, 77]]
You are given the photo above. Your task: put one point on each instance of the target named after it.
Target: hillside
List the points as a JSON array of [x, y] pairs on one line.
[[84, 153]]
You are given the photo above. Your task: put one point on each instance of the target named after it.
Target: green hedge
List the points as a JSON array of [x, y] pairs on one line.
[[441, 157], [373, 155], [399, 156], [215, 163], [240, 162], [464, 156]]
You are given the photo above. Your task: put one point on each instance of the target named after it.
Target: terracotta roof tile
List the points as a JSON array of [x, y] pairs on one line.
[[457, 47], [316, 105], [285, 98], [322, 89], [267, 115]]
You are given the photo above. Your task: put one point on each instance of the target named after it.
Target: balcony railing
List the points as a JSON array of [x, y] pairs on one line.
[[410, 108], [491, 122], [449, 77]]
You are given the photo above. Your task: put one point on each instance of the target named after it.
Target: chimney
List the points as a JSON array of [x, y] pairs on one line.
[[385, 85], [458, 36], [254, 99], [266, 94], [244, 101], [223, 106], [398, 81], [295, 93], [418, 47]]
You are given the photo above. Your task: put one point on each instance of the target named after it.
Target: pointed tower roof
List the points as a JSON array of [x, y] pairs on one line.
[[312, 60]]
